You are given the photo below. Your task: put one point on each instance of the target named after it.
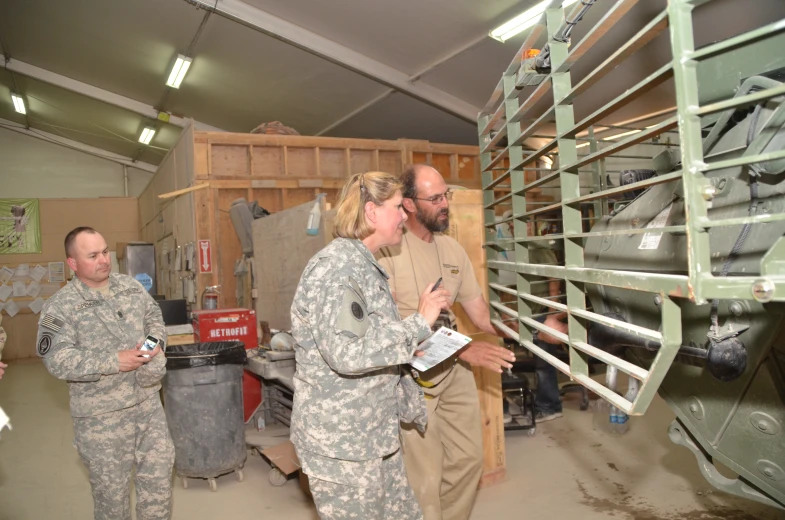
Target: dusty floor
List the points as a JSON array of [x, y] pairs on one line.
[[567, 470]]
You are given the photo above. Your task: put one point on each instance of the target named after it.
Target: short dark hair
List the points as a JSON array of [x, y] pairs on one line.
[[409, 180], [71, 237]]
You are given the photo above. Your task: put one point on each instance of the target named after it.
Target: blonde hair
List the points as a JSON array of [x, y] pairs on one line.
[[376, 187]]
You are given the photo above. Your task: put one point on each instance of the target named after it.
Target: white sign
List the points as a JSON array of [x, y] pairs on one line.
[[652, 240], [205, 257], [37, 273], [56, 272]]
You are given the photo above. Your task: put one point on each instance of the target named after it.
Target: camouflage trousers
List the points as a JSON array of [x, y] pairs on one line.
[[111, 444], [394, 499]]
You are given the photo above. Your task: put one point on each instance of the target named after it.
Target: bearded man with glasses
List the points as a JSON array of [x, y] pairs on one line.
[[443, 464]]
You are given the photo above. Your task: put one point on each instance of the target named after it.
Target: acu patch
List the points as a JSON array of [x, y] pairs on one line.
[[351, 315], [52, 322], [44, 344]]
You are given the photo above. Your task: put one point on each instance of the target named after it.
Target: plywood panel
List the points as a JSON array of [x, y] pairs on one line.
[[281, 251], [295, 197], [466, 226], [362, 161], [442, 163], [390, 162], [230, 161], [226, 246], [268, 199], [468, 167], [332, 162], [301, 162], [201, 165], [267, 161]]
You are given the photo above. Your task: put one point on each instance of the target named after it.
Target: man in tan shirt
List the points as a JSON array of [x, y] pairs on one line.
[[444, 465]]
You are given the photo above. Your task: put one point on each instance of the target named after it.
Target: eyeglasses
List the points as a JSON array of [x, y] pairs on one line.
[[437, 199]]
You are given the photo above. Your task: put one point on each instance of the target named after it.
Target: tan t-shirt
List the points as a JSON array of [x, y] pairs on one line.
[[413, 264]]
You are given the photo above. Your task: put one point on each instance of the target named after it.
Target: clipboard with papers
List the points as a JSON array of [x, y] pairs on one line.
[[439, 346]]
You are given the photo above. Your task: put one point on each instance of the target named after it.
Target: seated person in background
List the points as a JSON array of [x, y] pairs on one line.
[[547, 401]]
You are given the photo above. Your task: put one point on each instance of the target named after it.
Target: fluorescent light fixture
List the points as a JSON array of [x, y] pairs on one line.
[[19, 103], [178, 71], [523, 21], [147, 135]]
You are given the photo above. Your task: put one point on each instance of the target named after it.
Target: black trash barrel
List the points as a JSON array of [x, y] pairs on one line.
[[203, 400]]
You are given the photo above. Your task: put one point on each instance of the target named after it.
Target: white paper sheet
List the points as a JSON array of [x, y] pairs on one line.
[[38, 272], [5, 292], [5, 274], [22, 270], [11, 308], [442, 344], [36, 305], [20, 288], [34, 289], [56, 272]]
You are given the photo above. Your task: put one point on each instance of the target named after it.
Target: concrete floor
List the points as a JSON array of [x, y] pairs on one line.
[[567, 470]]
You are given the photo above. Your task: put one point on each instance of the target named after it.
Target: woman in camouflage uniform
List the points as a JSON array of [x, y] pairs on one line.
[[350, 390]]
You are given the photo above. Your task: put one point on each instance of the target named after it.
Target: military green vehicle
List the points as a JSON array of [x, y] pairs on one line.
[[674, 270]]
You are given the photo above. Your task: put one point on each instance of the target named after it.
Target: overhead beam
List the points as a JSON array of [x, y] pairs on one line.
[[416, 77], [76, 145], [100, 94], [344, 56]]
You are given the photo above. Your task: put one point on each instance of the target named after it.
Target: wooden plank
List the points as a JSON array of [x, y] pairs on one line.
[[177, 193], [227, 248], [298, 141], [332, 162], [228, 160], [268, 161], [466, 226]]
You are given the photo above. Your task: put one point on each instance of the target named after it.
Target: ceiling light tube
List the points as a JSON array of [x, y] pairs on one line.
[[523, 21], [181, 65], [147, 135], [19, 103]]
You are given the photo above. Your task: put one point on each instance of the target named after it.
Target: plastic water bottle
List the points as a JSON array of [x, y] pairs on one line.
[[619, 421], [315, 216]]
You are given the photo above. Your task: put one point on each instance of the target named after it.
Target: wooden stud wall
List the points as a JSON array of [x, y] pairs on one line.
[[280, 172]]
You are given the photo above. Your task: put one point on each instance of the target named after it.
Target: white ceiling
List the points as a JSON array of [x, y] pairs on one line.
[[242, 77]]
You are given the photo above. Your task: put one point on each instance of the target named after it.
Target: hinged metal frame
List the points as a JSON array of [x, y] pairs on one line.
[[509, 114]]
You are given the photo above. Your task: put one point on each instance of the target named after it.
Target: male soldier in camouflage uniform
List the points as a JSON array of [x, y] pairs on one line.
[[89, 334], [350, 393]]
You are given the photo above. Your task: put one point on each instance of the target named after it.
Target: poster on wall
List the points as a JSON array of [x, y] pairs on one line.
[[20, 226]]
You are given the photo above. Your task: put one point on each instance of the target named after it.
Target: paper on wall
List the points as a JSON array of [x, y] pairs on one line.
[[11, 308], [34, 289], [56, 272], [20, 288], [37, 273], [22, 270], [36, 305], [5, 292], [5, 274]]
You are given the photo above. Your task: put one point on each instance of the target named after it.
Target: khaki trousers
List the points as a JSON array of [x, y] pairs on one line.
[[444, 465]]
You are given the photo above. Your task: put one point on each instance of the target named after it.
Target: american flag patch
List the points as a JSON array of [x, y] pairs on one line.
[[52, 323]]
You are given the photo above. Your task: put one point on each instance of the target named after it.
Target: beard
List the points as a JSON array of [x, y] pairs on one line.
[[431, 222]]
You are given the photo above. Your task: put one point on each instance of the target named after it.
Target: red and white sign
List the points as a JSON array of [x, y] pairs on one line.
[[205, 257]]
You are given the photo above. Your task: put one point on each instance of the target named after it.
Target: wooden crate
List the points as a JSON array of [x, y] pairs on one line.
[[281, 172], [466, 226]]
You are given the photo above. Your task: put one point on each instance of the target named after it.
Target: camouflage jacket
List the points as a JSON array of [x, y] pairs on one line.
[[80, 332], [350, 395]]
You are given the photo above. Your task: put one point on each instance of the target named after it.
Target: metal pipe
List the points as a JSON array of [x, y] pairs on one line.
[[125, 180]]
